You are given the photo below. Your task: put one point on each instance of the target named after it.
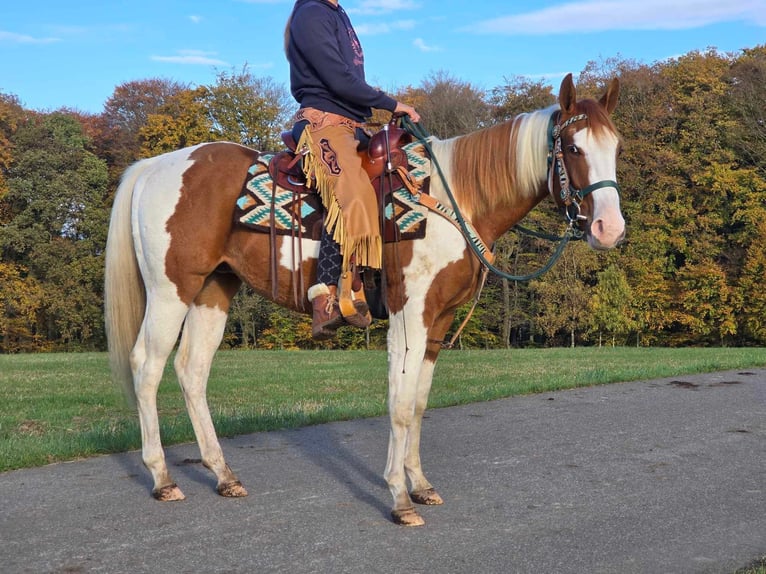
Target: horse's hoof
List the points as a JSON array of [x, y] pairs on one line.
[[428, 497], [168, 493], [232, 489], [407, 517]]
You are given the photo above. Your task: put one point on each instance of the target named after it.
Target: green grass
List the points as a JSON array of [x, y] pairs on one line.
[[56, 407], [757, 567]]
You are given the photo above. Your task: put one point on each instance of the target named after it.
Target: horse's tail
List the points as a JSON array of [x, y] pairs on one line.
[[124, 294]]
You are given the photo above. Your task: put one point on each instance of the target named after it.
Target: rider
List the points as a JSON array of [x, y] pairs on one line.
[[327, 80]]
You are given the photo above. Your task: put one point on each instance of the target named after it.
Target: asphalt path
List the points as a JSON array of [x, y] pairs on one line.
[[652, 476]]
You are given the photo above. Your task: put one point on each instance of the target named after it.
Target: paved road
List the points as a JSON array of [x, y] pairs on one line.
[[655, 476]]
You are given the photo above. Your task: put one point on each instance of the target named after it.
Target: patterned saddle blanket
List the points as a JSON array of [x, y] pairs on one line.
[[296, 209]]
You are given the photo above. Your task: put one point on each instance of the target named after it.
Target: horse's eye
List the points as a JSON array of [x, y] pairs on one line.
[[573, 149]]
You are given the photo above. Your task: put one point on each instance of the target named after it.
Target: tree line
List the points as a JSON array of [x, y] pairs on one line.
[[693, 178]]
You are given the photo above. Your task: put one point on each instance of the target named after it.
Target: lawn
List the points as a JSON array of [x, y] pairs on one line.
[[56, 407]]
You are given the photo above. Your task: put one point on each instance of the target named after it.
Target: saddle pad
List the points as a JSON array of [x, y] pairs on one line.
[[299, 213]]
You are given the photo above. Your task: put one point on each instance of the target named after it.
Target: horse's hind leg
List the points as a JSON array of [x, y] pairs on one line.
[[202, 333], [159, 331]]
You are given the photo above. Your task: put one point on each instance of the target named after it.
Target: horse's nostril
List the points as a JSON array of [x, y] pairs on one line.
[[597, 228]]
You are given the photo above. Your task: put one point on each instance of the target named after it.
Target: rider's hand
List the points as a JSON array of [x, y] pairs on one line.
[[402, 108]]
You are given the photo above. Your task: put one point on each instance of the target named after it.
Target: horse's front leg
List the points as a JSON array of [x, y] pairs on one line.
[[405, 358], [422, 492]]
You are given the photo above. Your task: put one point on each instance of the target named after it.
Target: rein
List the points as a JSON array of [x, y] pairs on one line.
[[572, 231]]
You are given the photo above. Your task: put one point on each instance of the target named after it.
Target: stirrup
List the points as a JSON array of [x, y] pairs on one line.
[[353, 306]]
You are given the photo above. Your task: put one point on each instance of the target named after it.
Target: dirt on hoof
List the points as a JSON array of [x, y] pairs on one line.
[[428, 497], [407, 517], [232, 489], [169, 493]]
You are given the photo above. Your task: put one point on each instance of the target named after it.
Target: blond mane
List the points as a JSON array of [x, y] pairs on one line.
[[500, 163]]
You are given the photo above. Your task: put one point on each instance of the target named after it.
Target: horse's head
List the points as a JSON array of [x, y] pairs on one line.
[[583, 169]]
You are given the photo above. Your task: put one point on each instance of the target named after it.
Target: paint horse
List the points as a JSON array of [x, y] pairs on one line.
[[175, 258]]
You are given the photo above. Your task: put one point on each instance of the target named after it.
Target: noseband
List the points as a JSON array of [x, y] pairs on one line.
[[570, 196]]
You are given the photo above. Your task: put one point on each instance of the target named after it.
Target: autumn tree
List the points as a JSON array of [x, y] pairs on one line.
[[610, 305], [125, 114], [57, 228], [519, 95], [21, 298], [182, 121], [564, 293], [752, 315], [448, 106], [11, 114], [248, 109], [746, 103]]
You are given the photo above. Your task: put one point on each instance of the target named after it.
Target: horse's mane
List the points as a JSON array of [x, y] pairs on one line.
[[501, 162]]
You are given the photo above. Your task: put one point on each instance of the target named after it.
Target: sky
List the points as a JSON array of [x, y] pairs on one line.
[[56, 54]]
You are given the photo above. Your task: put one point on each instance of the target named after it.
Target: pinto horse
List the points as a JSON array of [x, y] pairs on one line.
[[175, 258]]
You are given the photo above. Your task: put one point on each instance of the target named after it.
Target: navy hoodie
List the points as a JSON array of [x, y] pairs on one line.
[[327, 63]]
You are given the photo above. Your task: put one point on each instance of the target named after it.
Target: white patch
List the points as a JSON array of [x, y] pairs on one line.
[[602, 165], [442, 245], [305, 249], [155, 197]]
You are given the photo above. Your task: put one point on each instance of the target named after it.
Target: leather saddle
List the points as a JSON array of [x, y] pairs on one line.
[[381, 156]]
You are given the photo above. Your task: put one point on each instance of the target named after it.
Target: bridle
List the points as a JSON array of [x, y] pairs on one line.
[[570, 196]]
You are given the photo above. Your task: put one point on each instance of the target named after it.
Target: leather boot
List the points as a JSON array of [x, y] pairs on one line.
[[327, 317]]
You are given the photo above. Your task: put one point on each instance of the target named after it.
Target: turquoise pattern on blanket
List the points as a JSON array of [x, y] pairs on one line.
[[260, 201]]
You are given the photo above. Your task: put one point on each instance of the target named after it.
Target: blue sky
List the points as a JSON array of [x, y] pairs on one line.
[[57, 54]]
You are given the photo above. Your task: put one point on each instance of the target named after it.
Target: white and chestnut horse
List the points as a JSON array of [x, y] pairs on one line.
[[172, 231]]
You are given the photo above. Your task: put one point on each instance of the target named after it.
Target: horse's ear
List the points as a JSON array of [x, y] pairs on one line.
[[609, 99], [567, 95]]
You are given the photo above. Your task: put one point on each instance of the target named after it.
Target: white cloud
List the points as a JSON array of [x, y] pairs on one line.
[[195, 19], [383, 6], [193, 57], [384, 27], [421, 45], [601, 15], [14, 38]]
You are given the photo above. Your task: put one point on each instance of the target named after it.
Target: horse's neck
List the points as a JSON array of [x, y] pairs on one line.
[[496, 175]]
